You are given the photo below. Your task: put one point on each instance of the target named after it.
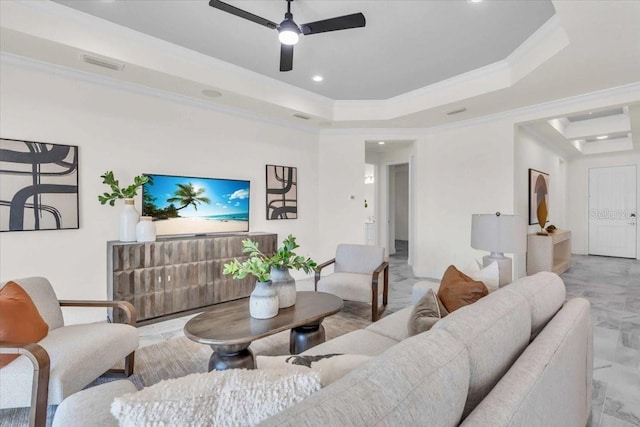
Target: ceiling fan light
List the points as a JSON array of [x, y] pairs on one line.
[[288, 37], [289, 33]]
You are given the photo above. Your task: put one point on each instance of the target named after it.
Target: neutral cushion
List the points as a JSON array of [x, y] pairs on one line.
[[43, 296], [233, 397], [349, 286], [331, 367], [495, 330], [545, 293], [393, 326], [489, 275], [457, 289], [20, 321], [360, 341], [92, 404], [79, 354], [550, 384], [426, 313], [421, 381], [362, 259], [420, 288]]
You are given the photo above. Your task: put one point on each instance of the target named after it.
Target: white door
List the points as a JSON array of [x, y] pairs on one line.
[[612, 211]]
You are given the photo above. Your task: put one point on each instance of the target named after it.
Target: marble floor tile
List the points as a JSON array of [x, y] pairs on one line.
[[609, 421], [605, 342], [622, 399]]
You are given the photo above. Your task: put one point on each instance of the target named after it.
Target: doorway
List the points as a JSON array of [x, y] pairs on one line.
[[613, 211], [398, 209]]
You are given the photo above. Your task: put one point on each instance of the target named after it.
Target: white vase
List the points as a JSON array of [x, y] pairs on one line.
[[263, 301], [285, 286], [146, 230], [129, 218]]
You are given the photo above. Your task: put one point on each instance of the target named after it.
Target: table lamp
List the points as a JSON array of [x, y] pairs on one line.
[[498, 234]]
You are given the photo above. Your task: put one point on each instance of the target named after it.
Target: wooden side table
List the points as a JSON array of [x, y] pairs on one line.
[[549, 253]]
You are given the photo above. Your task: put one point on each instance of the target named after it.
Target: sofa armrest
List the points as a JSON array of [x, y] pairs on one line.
[[128, 309], [40, 386], [319, 269]]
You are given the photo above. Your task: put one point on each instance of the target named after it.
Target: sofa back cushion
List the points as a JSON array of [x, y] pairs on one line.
[[495, 330], [361, 259], [423, 379], [545, 293], [43, 296]]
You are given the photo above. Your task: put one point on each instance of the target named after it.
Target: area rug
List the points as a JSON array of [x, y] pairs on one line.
[[180, 356]]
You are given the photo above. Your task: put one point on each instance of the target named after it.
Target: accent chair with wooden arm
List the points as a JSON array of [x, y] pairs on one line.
[[356, 276], [68, 358]]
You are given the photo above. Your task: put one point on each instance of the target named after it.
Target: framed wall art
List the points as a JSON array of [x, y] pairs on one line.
[[38, 186], [282, 192], [538, 194]]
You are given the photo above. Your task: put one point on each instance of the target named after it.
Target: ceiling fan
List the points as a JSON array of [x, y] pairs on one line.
[[289, 32]]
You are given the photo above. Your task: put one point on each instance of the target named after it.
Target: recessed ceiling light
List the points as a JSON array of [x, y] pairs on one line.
[[602, 137], [474, 1], [381, 143], [211, 93], [317, 78]]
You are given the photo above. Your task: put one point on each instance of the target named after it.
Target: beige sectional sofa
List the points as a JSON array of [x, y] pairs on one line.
[[521, 356]]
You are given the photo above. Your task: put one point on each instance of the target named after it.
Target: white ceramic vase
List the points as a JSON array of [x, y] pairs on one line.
[[263, 301], [129, 218], [285, 286], [146, 230]]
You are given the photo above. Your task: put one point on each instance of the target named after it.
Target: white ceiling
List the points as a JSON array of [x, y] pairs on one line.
[[405, 45], [386, 75]]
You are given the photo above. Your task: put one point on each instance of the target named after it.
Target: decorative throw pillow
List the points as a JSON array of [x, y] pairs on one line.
[[20, 321], [457, 289], [426, 313], [218, 398], [331, 367], [489, 275]]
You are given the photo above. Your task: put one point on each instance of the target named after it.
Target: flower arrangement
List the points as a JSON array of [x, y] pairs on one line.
[[259, 264], [128, 192]]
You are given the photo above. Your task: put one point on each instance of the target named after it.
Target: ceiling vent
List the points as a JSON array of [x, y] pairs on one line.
[[301, 116], [456, 111], [103, 62]]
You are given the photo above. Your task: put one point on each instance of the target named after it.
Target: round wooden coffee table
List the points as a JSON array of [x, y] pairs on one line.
[[229, 329]]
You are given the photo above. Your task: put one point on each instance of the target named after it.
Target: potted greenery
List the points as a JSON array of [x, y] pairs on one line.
[[266, 299], [551, 228], [129, 216]]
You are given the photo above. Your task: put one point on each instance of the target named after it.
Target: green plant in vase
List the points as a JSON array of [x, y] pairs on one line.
[[129, 216], [272, 269]]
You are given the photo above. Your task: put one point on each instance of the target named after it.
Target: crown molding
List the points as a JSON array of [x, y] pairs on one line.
[[117, 84]]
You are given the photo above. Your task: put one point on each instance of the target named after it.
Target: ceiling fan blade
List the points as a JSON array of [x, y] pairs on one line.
[[242, 13], [286, 57], [355, 20]]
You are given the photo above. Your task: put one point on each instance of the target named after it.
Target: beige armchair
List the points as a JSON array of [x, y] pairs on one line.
[[356, 276], [68, 358]]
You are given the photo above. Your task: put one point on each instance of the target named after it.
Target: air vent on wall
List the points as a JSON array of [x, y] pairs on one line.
[[103, 62], [456, 111]]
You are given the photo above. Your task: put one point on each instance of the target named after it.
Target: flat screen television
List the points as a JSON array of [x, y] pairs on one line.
[[192, 205]]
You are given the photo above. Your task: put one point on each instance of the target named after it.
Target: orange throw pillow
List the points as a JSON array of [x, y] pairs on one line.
[[20, 321], [457, 289]]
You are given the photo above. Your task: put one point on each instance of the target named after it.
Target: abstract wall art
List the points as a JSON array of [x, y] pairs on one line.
[[38, 186], [538, 194], [282, 192]]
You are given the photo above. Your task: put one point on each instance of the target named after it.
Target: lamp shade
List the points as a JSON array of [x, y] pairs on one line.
[[499, 233]]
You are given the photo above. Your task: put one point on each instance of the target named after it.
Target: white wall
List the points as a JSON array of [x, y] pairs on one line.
[[531, 153], [132, 133], [578, 206], [459, 172]]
